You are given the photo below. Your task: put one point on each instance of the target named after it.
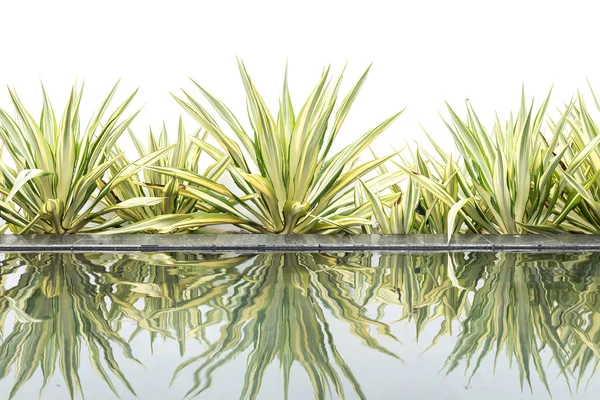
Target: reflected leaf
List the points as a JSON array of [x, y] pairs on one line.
[[20, 315]]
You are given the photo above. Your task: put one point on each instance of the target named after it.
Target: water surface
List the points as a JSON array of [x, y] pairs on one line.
[[299, 325]]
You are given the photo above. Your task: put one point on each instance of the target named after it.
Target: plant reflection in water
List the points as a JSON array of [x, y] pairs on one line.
[[278, 309]]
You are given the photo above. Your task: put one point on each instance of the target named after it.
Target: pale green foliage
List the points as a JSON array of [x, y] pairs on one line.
[[180, 208], [290, 178], [579, 210], [529, 174], [511, 169], [426, 200], [53, 186], [516, 178]]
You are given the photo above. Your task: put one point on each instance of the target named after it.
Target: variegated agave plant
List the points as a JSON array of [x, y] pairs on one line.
[[55, 184], [428, 200], [290, 179], [579, 209], [180, 208]]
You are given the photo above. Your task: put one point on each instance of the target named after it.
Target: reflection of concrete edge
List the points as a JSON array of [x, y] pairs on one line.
[[298, 243]]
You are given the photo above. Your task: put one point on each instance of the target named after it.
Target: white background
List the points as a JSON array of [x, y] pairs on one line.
[[424, 52]]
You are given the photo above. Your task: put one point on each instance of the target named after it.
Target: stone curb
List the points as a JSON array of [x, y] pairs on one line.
[[296, 243]]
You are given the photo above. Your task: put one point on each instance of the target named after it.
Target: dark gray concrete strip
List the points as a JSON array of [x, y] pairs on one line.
[[366, 242], [271, 243], [341, 242], [526, 242], [387, 242], [457, 242], [302, 242], [232, 241], [146, 243], [577, 241], [37, 242], [476, 242]]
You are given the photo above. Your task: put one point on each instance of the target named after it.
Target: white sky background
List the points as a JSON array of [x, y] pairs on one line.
[[424, 52]]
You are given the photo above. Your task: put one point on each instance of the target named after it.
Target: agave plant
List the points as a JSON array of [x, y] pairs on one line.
[[400, 218], [55, 185], [430, 201], [579, 209], [291, 180], [511, 172], [180, 210]]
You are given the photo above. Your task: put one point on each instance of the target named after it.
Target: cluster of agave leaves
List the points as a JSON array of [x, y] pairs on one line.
[[279, 308], [529, 174]]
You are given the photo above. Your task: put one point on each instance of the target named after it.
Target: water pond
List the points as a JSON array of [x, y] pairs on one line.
[[300, 325]]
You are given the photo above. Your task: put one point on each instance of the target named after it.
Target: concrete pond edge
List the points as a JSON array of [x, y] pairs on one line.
[[297, 243]]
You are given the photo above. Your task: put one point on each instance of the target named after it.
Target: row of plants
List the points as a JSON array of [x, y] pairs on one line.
[[533, 173], [292, 311]]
